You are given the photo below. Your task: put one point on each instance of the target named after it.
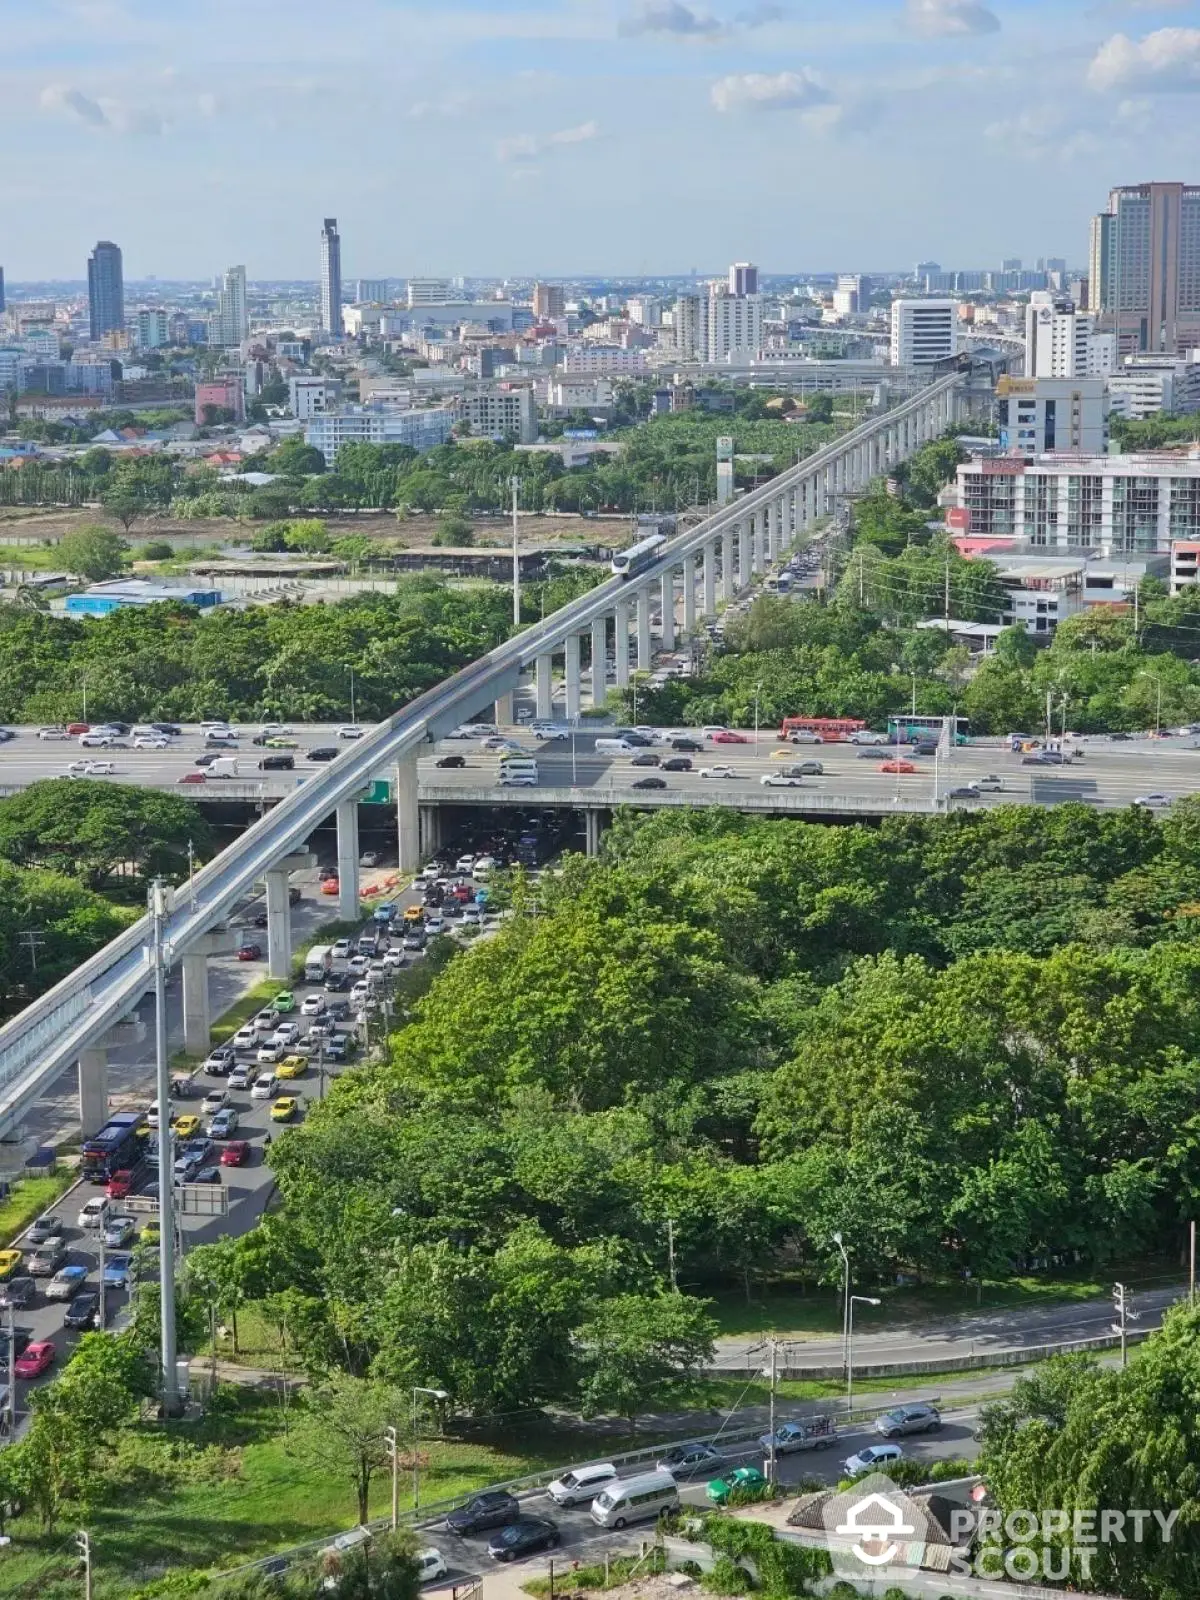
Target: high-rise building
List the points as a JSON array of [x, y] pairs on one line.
[[923, 332], [331, 278], [718, 326], [154, 328], [2, 306], [106, 290], [1144, 268], [1038, 416], [743, 278], [1063, 342], [429, 292], [924, 268], [372, 291], [549, 301], [1011, 264], [233, 319]]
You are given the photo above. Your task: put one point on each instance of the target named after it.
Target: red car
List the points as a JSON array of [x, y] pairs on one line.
[[331, 886], [730, 738], [897, 766], [235, 1153], [79, 727], [463, 893], [35, 1359], [250, 952], [119, 1185], [194, 777]]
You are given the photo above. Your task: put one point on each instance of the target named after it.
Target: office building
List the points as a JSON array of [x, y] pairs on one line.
[[331, 278], [153, 328], [581, 393], [1145, 386], [1040, 415], [549, 301], [923, 332], [924, 268], [372, 291], [231, 326], [501, 412], [423, 430], [311, 397], [743, 278], [644, 310], [428, 291], [1063, 342], [1114, 505], [1144, 271], [607, 358], [106, 290]]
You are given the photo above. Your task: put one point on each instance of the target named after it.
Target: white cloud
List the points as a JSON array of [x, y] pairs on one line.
[[762, 91], [1166, 60], [669, 16], [943, 19], [61, 98], [524, 147]]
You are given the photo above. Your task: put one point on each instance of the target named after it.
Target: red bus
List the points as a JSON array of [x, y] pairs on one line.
[[829, 729]]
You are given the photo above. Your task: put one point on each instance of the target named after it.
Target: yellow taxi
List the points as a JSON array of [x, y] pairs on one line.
[[783, 755], [414, 914], [187, 1127], [291, 1067], [284, 1109], [10, 1260]]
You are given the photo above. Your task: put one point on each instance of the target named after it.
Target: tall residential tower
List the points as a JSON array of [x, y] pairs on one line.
[[106, 290], [1144, 271], [331, 278]]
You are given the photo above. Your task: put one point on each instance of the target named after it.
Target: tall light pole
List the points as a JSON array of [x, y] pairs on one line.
[[1157, 682], [353, 718], [392, 1442], [757, 692], [166, 1175], [855, 1300], [514, 484], [845, 1254], [436, 1394]]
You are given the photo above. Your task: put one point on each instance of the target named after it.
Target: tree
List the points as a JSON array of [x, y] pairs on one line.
[[635, 1350], [453, 529], [295, 459], [342, 1429], [819, 408], [308, 534], [93, 552], [217, 1273]]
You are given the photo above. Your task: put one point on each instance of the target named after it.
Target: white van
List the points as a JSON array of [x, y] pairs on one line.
[[519, 776], [583, 1483], [639, 1499], [613, 747]]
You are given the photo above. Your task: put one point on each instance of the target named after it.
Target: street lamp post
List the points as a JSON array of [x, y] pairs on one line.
[[845, 1254], [855, 1300], [436, 1394], [757, 692], [1157, 682]]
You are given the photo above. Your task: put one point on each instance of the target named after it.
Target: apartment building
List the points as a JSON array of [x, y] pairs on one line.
[[923, 332], [1041, 415], [423, 430], [1144, 271], [1145, 386], [502, 412], [311, 397]]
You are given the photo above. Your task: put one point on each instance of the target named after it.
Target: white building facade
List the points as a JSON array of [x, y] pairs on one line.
[[923, 332], [1143, 387], [423, 430], [500, 412], [311, 397], [1038, 416]]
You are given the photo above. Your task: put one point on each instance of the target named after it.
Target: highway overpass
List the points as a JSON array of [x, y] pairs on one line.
[[714, 561]]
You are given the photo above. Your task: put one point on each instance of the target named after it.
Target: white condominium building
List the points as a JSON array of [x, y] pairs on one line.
[[1041, 415], [1144, 387], [923, 332], [1063, 342], [502, 413], [718, 326], [371, 425]]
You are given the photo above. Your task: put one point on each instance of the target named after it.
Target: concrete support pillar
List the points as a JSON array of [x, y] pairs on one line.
[[727, 589], [621, 643], [744, 539], [502, 712], [279, 924], [408, 820], [544, 687], [93, 1090], [668, 609], [758, 532], [599, 662], [593, 832], [710, 580], [430, 822], [770, 519], [644, 648], [689, 595], [347, 860], [571, 652], [196, 1017]]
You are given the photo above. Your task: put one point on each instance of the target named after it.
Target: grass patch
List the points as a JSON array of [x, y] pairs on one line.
[[31, 557], [28, 1198], [600, 1575], [255, 998]]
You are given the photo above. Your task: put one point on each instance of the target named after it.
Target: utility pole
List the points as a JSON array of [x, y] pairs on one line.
[[102, 1307], [845, 1254], [31, 939], [773, 1373], [84, 1546], [12, 1373], [393, 1449], [514, 485], [166, 1189], [946, 617], [1124, 1317], [1192, 1263]]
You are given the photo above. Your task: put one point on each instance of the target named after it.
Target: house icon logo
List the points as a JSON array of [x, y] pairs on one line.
[[872, 1527]]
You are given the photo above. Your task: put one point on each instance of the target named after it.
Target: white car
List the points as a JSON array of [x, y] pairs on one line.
[[358, 965], [245, 1038], [465, 865], [212, 726], [721, 771], [992, 783], [872, 1458], [868, 738], [286, 1033], [393, 960], [264, 1086], [341, 949], [778, 780], [151, 741], [94, 1212], [271, 1052], [53, 733], [96, 741], [435, 923], [241, 1077], [804, 736], [215, 1100], [349, 730], [90, 769], [361, 990], [271, 729], [1154, 801], [431, 1564], [483, 868], [312, 1005]]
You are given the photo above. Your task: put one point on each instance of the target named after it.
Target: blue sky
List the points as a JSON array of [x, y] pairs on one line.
[[563, 136]]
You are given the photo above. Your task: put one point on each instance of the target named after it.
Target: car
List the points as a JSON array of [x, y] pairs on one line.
[[336, 983], [118, 1270], [246, 1037], [331, 886], [10, 1260], [338, 1047], [284, 1002], [187, 1126], [349, 730], [523, 1538], [277, 763], [93, 1213], [223, 1124], [207, 1175], [35, 1359], [291, 1067], [431, 1564], [1153, 801], [215, 1100], [646, 759], [151, 741], [193, 777], [118, 1231], [805, 736], [897, 766], [122, 1183], [324, 752], [286, 1034], [691, 1461], [46, 1259], [1040, 758], [235, 1154], [780, 780], [719, 771], [66, 1283], [53, 733], [241, 1077], [1122, 738], [718, 1490], [369, 858], [871, 1458], [866, 737], [494, 1509], [581, 1485], [413, 940], [93, 769], [358, 965], [17, 1293], [43, 1230], [221, 741], [83, 1312], [727, 736], [963, 791], [185, 1169], [220, 1062], [806, 769], [312, 1005], [690, 746], [677, 764], [786, 754], [908, 1419], [265, 1086], [171, 729], [649, 783], [96, 741], [269, 1053], [362, 989], [284, 1108], [472, 913], [265, 1022], [249, 951], [453, 763], [992, 783]]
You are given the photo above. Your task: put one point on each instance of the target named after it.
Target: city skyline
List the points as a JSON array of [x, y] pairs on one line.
[[625, 137]]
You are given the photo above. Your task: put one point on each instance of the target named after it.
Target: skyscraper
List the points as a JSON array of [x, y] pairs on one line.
[[549, 300], [1144, 268], [743, 278], [331, 278], [1, 291], [233, 319], [106, 289]]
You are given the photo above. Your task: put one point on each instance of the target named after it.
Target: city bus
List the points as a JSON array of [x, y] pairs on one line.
[[907, 729], [117, 1147], [830, 730]]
